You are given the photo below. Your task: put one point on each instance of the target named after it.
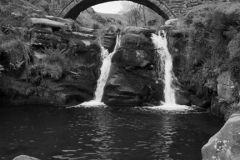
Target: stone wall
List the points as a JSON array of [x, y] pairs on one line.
[[168, 9]]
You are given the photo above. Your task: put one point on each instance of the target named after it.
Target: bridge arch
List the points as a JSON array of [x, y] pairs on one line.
[[73, 9]]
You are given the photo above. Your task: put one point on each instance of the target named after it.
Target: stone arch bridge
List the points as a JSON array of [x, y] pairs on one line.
[[168, 9]]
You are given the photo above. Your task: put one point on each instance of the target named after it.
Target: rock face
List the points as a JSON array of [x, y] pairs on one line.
[[225, 86], [182, 97], [133, 74], [225, 89], [63, 68], [224, 145]]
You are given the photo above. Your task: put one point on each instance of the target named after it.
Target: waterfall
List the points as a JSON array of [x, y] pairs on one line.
[[160, 43], [102, 80]]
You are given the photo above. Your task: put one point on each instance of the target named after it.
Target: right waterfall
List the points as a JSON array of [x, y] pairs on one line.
[[160, 42]]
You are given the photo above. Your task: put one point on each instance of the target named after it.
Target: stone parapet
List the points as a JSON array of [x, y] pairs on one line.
[[168, 9]]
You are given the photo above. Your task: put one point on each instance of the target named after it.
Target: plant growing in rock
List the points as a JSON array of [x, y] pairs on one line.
[[212, 41], [18, 51], [54, 66]]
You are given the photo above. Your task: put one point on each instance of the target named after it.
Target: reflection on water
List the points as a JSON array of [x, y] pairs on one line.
[[103, 133]]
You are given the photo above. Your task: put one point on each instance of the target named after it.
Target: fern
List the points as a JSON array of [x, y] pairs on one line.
[[18, 50]]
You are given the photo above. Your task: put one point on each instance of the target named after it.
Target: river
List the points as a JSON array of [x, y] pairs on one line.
[[52, 133]]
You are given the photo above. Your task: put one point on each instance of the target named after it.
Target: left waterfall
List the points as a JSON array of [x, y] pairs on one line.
[[102, 80]]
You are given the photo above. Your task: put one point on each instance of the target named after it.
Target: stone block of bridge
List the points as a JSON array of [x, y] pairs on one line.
[[168, 9]]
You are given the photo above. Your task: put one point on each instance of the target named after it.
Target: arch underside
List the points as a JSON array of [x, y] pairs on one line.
[[73, 9]]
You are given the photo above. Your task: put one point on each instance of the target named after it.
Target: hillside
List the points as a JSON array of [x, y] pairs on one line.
[[153, 20], [90, 18]]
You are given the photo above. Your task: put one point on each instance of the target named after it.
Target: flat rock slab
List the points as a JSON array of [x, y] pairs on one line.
[[224, 145]]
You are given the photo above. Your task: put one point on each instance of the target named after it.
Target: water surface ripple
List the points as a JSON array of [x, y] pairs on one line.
[[103, 133]]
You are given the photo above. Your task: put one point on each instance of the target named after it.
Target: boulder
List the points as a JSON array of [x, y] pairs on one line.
[[133, 77], [224, 145], [131, 88], [24, 157]]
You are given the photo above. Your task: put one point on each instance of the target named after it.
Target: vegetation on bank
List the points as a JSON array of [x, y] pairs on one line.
[[42, 61], [212, 47]]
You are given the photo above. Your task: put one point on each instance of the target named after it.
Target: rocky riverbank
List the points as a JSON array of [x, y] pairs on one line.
[[54, 61], [205, 47]]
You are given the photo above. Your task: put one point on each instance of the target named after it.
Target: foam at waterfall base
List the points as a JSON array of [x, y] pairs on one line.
[[92, 103], [171, 107]]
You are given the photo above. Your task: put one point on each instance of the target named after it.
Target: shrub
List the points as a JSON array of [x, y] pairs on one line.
[[53, 66], [211, 28], [152, 22], [213, 46], [44, 70], [18, 51], [54, 57], [213, 42]]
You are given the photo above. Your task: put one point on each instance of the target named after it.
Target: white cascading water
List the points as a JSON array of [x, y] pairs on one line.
[[160, 43], [102, 80]]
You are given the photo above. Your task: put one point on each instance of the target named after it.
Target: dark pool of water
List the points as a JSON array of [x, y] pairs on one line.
[[103, 133]]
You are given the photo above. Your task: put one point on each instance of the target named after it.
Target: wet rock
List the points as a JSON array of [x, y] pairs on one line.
[[138, 31], [218, 106], [129, 58], [202, 103], [135, 41], [24, 157], [133, 78], [86, 52], [131, 88], [109, 41], [182, 97], [224, 145]]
